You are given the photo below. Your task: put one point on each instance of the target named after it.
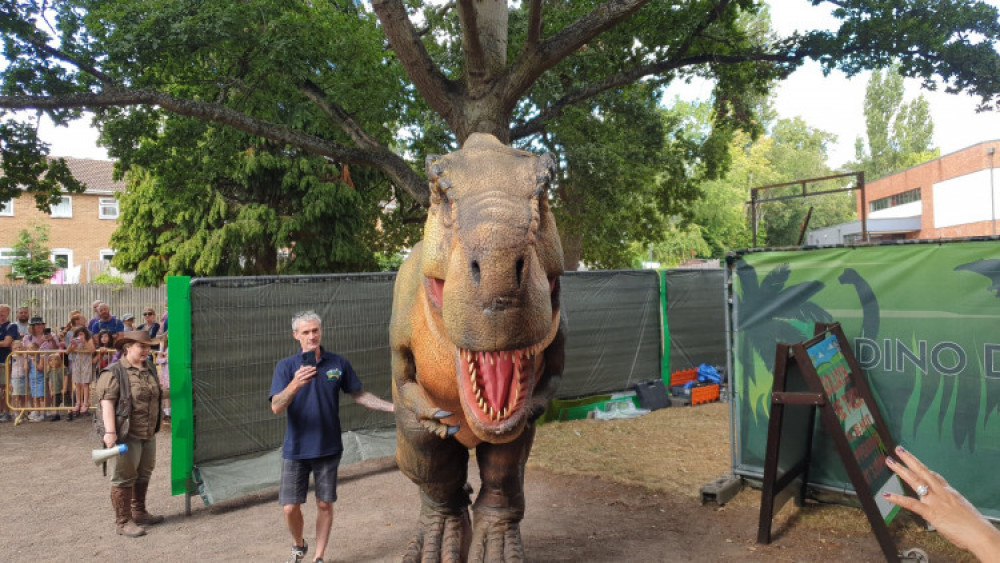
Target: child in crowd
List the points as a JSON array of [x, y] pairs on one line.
[[104, 344], [81, 358], [55, 378], [36, 380], [164, 365], [18, 375]]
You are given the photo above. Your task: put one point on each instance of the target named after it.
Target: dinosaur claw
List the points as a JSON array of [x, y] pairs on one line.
[[452, 430], [441, 414]]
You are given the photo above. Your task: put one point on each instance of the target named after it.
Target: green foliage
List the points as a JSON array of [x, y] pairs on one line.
[[234, 206], [609, 187], [108, 279], [357, 84], [720, 220], [799, 152], [24, 162], [899, 134], [389, 262], [31, 256]]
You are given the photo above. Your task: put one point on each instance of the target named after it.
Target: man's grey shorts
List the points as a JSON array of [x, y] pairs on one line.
[[295, 479]]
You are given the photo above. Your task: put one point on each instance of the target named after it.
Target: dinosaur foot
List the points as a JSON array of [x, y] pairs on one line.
[[442, 535], [496, 538]]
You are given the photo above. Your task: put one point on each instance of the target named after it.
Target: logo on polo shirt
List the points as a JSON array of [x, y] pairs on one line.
[[334, 374]]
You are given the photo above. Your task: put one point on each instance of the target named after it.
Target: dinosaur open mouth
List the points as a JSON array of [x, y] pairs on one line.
[[495, 385]]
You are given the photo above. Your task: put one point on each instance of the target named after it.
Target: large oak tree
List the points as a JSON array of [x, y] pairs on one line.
[[383, 87]]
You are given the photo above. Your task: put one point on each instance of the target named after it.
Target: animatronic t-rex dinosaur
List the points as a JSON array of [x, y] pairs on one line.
[[477, 346]]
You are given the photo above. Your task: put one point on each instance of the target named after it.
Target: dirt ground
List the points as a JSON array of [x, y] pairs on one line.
[[624, 490]]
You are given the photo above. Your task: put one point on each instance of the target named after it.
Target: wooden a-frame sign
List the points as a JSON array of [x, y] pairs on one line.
[[822, 373]]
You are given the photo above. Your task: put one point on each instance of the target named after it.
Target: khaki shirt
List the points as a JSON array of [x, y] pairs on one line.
[[146, 396]]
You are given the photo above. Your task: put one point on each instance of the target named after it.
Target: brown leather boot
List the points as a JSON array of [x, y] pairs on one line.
[[139, 513], [121, 500]]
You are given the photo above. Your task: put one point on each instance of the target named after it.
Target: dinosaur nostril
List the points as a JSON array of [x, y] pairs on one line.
[[475, 272], [519, 270]]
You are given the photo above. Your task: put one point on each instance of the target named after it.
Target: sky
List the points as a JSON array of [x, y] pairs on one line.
[[833, 103]]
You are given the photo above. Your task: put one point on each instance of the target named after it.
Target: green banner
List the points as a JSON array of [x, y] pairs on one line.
[[924, 322]]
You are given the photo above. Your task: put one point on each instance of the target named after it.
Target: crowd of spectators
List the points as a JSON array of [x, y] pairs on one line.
[[52, 371]]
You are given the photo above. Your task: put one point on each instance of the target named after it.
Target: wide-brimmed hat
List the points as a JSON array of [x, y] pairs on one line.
[[140, 336], [36, 321]]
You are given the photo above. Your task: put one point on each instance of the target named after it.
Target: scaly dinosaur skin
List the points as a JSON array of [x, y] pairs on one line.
[[477, 346]]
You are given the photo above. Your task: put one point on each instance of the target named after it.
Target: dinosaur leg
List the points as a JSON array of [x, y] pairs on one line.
[[499, 508], [440, 468]]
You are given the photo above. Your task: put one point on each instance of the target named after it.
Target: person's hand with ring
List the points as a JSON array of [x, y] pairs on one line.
[[944, 508]]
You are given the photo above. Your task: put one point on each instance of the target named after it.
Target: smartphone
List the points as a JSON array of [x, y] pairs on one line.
[[309, 358], [47, 331]]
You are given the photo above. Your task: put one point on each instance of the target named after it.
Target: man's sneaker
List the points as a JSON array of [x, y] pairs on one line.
[[36, 416], [299, 552], [4, 417]]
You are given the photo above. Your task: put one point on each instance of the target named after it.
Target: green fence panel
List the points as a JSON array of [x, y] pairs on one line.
[[182, 411]]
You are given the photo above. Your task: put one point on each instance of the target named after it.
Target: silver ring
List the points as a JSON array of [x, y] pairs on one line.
[[922, 490]]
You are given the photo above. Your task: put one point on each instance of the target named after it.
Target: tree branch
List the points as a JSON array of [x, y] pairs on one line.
[[475, 58], [713, 15], [339, 115], [534, 24], [65, 57], [406, 44], [537, 124], [392, 165], [535, 60]]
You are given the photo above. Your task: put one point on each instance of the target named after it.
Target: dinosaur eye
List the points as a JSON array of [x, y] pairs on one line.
[[439, 197]]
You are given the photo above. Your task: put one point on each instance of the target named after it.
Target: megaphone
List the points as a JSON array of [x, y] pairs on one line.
[[102, 455]]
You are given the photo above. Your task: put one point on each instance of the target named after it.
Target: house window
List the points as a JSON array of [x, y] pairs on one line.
[[7, 256], [61, 257], [63, 209], [108, 208], [107, 254], [8, 208]]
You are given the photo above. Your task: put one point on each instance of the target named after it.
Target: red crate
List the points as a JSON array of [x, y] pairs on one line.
[[704, 394], [683, 376]]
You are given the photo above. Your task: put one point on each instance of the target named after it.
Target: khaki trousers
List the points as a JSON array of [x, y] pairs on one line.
[[136, 464]]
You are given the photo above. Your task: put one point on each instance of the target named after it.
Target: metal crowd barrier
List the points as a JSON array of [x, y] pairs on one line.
[[50, 390]]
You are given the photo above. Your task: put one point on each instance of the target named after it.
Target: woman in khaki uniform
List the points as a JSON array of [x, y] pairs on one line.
[[133, 469]]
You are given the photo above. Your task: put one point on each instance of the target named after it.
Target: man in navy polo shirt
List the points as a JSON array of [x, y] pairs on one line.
[[105, 321], [307, 387]]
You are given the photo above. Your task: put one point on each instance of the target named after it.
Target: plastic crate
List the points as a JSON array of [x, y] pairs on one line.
[[683, 376], [704, 394]]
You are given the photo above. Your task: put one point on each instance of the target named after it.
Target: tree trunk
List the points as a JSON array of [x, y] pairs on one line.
[[483, 116], [572, 245], [484, 40]]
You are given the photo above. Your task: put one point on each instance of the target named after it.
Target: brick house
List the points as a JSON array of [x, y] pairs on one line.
[[79, 227], [953, 196]]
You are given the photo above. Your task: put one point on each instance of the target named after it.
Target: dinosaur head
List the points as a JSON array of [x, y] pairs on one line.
[[491, 265]]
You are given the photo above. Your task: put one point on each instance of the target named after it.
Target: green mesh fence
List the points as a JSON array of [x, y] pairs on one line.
[[241, 327]]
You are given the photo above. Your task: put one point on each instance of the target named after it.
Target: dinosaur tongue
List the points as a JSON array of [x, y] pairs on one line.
[[497, 372]]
